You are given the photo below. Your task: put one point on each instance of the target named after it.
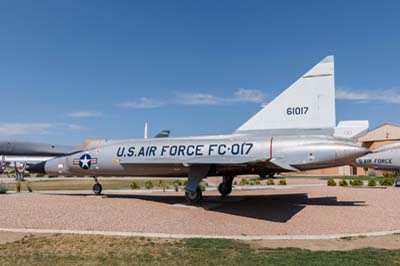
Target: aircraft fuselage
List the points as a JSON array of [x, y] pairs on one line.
[[227, 155]]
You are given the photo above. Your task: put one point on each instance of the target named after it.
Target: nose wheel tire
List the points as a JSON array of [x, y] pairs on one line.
[[97, 188], [397, 183], [224, 189], [194, 197]]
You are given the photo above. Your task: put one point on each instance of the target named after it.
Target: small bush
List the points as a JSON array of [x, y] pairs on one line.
[[282, 182], [244, 181], [3, 189], [343, 183], [356, 182], [161, 184], [203, 185], [185, 182], [148, 184], [176, 187], [28, 186], [270, 182], [331, 182], [177, 182], [18, 186], [135, 185], [371, 182], [387, 181], [388, 174]]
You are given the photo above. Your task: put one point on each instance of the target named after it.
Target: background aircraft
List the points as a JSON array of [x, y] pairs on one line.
[[20, 155], [385, 158], [294, 132]]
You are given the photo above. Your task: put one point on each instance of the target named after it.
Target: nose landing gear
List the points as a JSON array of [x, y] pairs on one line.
[[194, 197], [97, 187]]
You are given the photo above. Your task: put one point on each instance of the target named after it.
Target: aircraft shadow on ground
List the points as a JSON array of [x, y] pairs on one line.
[[275, 208]]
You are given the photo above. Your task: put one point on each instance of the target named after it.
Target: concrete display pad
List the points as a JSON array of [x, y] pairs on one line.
[[292, 213]]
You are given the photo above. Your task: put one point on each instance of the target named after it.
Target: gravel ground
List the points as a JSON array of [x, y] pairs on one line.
[[292, 211]]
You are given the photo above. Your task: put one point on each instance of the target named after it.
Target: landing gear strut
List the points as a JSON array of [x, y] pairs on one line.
[[194, 197], [97, 187], [271, 176], [225, 188]]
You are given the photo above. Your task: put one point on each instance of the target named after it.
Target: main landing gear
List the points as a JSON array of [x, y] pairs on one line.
[[97, 187], [225, 188], [194, 197]]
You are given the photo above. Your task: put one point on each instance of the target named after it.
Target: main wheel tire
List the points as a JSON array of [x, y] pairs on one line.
[[194, 197], [97, 188], [224, 189], [397, 183]]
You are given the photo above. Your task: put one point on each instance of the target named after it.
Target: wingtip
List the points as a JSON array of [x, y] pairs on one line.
[[328, 59]]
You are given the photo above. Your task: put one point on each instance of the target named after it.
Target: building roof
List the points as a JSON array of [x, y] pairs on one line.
[[386, 131]]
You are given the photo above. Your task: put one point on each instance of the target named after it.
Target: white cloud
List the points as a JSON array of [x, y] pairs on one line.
[[249, 95], [28, 129], [16, 129], [350, 95], [386, 95], [199, 98], [143, 103], [74, 126], [82, 114]]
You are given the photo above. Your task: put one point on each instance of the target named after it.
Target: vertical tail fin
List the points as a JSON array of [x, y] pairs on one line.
[[309, 103]]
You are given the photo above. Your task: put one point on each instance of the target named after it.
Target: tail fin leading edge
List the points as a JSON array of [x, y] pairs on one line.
[[309, 103]]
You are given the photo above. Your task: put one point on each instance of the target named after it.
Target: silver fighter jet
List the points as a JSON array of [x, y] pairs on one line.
[[294, 132], [385, 158]]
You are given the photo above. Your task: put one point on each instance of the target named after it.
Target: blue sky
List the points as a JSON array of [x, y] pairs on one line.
[[72, 70]]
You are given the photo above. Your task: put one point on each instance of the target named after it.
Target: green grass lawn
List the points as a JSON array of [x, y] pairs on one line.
[[99, 250]]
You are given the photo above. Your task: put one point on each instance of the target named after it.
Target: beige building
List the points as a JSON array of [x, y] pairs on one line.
[[385, 134]]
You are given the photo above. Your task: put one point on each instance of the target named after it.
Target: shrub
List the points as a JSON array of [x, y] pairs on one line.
[[371, 182], [176, 187], [135, 185], [177, 182], [244, 181], [185, 182], [331, 182], [356, 182], [161, 184], [257, 181], [18, 186], [3, 189], [282, 182], [148, 184], [343, 183], [28, 186], [270, 182], [203, 185], [387, 181], [388, 174]]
